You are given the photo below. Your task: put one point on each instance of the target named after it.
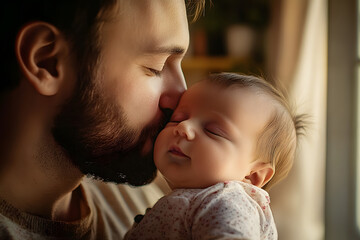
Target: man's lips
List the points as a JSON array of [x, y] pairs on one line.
[[178, 152]]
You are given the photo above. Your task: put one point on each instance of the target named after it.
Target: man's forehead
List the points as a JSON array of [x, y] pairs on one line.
[[148, 9], [143, 27], [159, 25]]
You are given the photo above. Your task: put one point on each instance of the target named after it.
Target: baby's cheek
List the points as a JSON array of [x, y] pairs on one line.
[[160, 146], [211, 151]]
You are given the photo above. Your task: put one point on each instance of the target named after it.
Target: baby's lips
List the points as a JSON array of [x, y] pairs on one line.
[[177, 151]]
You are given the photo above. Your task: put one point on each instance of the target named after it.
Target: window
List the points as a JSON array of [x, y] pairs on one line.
[[342, 204], [358, 121]]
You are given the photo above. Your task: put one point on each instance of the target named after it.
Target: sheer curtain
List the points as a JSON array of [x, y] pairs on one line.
[[299, 61]]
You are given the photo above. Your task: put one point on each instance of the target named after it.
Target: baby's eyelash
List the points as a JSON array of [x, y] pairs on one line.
[[213, 133]]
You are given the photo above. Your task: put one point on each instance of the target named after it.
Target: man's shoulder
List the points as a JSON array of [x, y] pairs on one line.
[[9, 230], [110, 192], [118, 204], [5, 232]]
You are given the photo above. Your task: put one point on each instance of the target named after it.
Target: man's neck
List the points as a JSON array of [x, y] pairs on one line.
[[42, 196], [36, 177]]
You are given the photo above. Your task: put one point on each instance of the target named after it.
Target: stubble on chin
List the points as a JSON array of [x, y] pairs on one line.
[[95, 136]]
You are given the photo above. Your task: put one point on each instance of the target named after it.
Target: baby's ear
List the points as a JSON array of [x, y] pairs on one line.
[[260, 174]]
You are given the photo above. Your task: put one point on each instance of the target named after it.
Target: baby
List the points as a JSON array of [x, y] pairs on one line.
[[230, 137]]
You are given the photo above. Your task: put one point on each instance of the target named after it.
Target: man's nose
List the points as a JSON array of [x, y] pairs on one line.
[[185, 129], [174, 86]]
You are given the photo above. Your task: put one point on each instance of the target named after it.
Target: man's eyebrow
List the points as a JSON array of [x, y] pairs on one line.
[[167, 50]]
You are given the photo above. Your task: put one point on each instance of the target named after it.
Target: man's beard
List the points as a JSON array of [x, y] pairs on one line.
[[94, 134]]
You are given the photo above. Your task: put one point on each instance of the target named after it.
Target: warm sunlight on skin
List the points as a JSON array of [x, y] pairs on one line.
[[142, 68], [138, 76], [212, 136]]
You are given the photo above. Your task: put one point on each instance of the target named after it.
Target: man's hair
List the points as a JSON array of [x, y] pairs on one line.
[[78, 20], [277, 141]]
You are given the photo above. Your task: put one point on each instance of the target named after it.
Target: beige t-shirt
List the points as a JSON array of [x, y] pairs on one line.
[[112, 209]]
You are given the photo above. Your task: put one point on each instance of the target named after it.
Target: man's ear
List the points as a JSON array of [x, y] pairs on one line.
[[260, 174], [40, 50]]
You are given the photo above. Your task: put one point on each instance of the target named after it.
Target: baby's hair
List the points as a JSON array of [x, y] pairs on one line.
[[277, 142]]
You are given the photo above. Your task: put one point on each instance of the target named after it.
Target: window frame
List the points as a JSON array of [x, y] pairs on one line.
[[357, 76], [342, 122]]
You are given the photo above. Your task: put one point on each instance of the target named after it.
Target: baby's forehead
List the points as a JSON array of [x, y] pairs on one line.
[[213, 89], [214, 94]]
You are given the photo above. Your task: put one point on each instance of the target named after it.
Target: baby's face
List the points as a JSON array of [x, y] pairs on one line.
[[212, 136]]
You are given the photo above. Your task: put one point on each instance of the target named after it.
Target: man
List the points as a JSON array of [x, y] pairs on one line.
[[86, 86]]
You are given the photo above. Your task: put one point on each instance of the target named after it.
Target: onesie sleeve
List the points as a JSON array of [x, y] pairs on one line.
[[231, 213]]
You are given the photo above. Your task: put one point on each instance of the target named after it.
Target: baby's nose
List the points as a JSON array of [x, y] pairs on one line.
[[185, 129]]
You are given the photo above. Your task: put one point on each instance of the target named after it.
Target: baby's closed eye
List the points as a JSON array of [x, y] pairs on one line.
[[215, 130]]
